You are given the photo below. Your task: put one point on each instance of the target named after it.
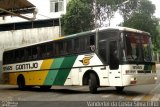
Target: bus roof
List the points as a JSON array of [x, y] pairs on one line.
[[83, 33], [124, 29]]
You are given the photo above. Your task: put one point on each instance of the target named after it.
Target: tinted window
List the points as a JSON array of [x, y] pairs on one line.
[[69, 46], [49, 49], [107, 34]]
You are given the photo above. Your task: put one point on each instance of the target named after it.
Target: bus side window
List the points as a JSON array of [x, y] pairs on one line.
[[49, 50], [68, 47], [4, 58], [8, 57], [42, 51], [76, 45], [22, 54], [17, 57], [34, 52], [56, 49], [29, 53], [90, 43], [61, 48]]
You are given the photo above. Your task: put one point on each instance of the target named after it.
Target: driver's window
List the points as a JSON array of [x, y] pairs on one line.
[[114, 59]]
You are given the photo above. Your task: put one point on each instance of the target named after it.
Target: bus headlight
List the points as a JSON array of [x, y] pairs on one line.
[[155, 78], [133, 80]]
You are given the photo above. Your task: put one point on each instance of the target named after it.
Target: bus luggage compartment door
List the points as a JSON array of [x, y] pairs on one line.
[[115, 78]]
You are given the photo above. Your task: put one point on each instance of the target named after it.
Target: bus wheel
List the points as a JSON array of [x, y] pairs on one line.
[[45, 87], [93, 83], [21, 82], [119, 89]]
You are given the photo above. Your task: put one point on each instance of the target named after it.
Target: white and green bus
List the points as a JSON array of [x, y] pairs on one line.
[[106, 56]]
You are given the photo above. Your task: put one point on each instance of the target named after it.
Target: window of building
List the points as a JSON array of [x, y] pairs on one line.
[[56, 5]]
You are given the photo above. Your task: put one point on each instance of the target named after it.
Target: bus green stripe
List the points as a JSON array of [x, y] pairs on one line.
[[52, 74], [59, 76], [63, 73]]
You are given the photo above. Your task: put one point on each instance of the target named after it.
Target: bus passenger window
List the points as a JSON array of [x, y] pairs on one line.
[[49, 50], [61, 48], [22, 54], [68, 46], [76, 45], [17, 57], [42, 51], [83, 44], [90, 43], [34, 52], [29, 53]]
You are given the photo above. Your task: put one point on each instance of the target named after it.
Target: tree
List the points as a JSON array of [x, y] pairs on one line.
[[128, 8], [79, 17], [83, 15], [105, 10]]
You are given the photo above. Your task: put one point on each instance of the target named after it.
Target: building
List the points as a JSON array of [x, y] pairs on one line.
[[43, 22], [44, 9]]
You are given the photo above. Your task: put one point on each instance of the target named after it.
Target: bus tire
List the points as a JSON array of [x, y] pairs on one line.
[[119, 89], [21, 82], [45, 87], [93, 83]]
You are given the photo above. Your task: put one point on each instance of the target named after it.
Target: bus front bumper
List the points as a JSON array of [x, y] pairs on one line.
[[139, 79]]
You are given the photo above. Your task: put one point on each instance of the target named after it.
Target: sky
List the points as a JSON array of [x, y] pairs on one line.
[[157, 4]]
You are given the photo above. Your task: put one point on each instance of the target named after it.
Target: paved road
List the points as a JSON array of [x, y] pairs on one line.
[[71, 96], [76, 93]]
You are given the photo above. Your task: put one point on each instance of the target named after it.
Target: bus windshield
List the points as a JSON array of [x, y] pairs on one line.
[[137, 47]]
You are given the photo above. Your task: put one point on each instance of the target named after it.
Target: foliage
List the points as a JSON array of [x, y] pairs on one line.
[[79, 17], [105, 10], [128, 8], [84, 15]]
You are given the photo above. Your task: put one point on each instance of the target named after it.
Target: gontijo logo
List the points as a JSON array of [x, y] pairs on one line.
[[86, 60]]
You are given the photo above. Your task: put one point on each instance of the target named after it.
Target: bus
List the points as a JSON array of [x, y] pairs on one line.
[[117, 57]]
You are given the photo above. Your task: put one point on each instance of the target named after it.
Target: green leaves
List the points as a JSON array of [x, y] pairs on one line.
[[79, 17]]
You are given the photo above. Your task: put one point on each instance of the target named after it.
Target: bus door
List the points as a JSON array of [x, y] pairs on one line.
[[114, 69]]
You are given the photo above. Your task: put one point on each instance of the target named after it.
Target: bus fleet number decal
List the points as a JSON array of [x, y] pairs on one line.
[[22, 67]]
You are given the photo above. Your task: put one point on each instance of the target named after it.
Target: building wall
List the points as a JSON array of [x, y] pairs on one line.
[[16, 38], [43, 9]]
